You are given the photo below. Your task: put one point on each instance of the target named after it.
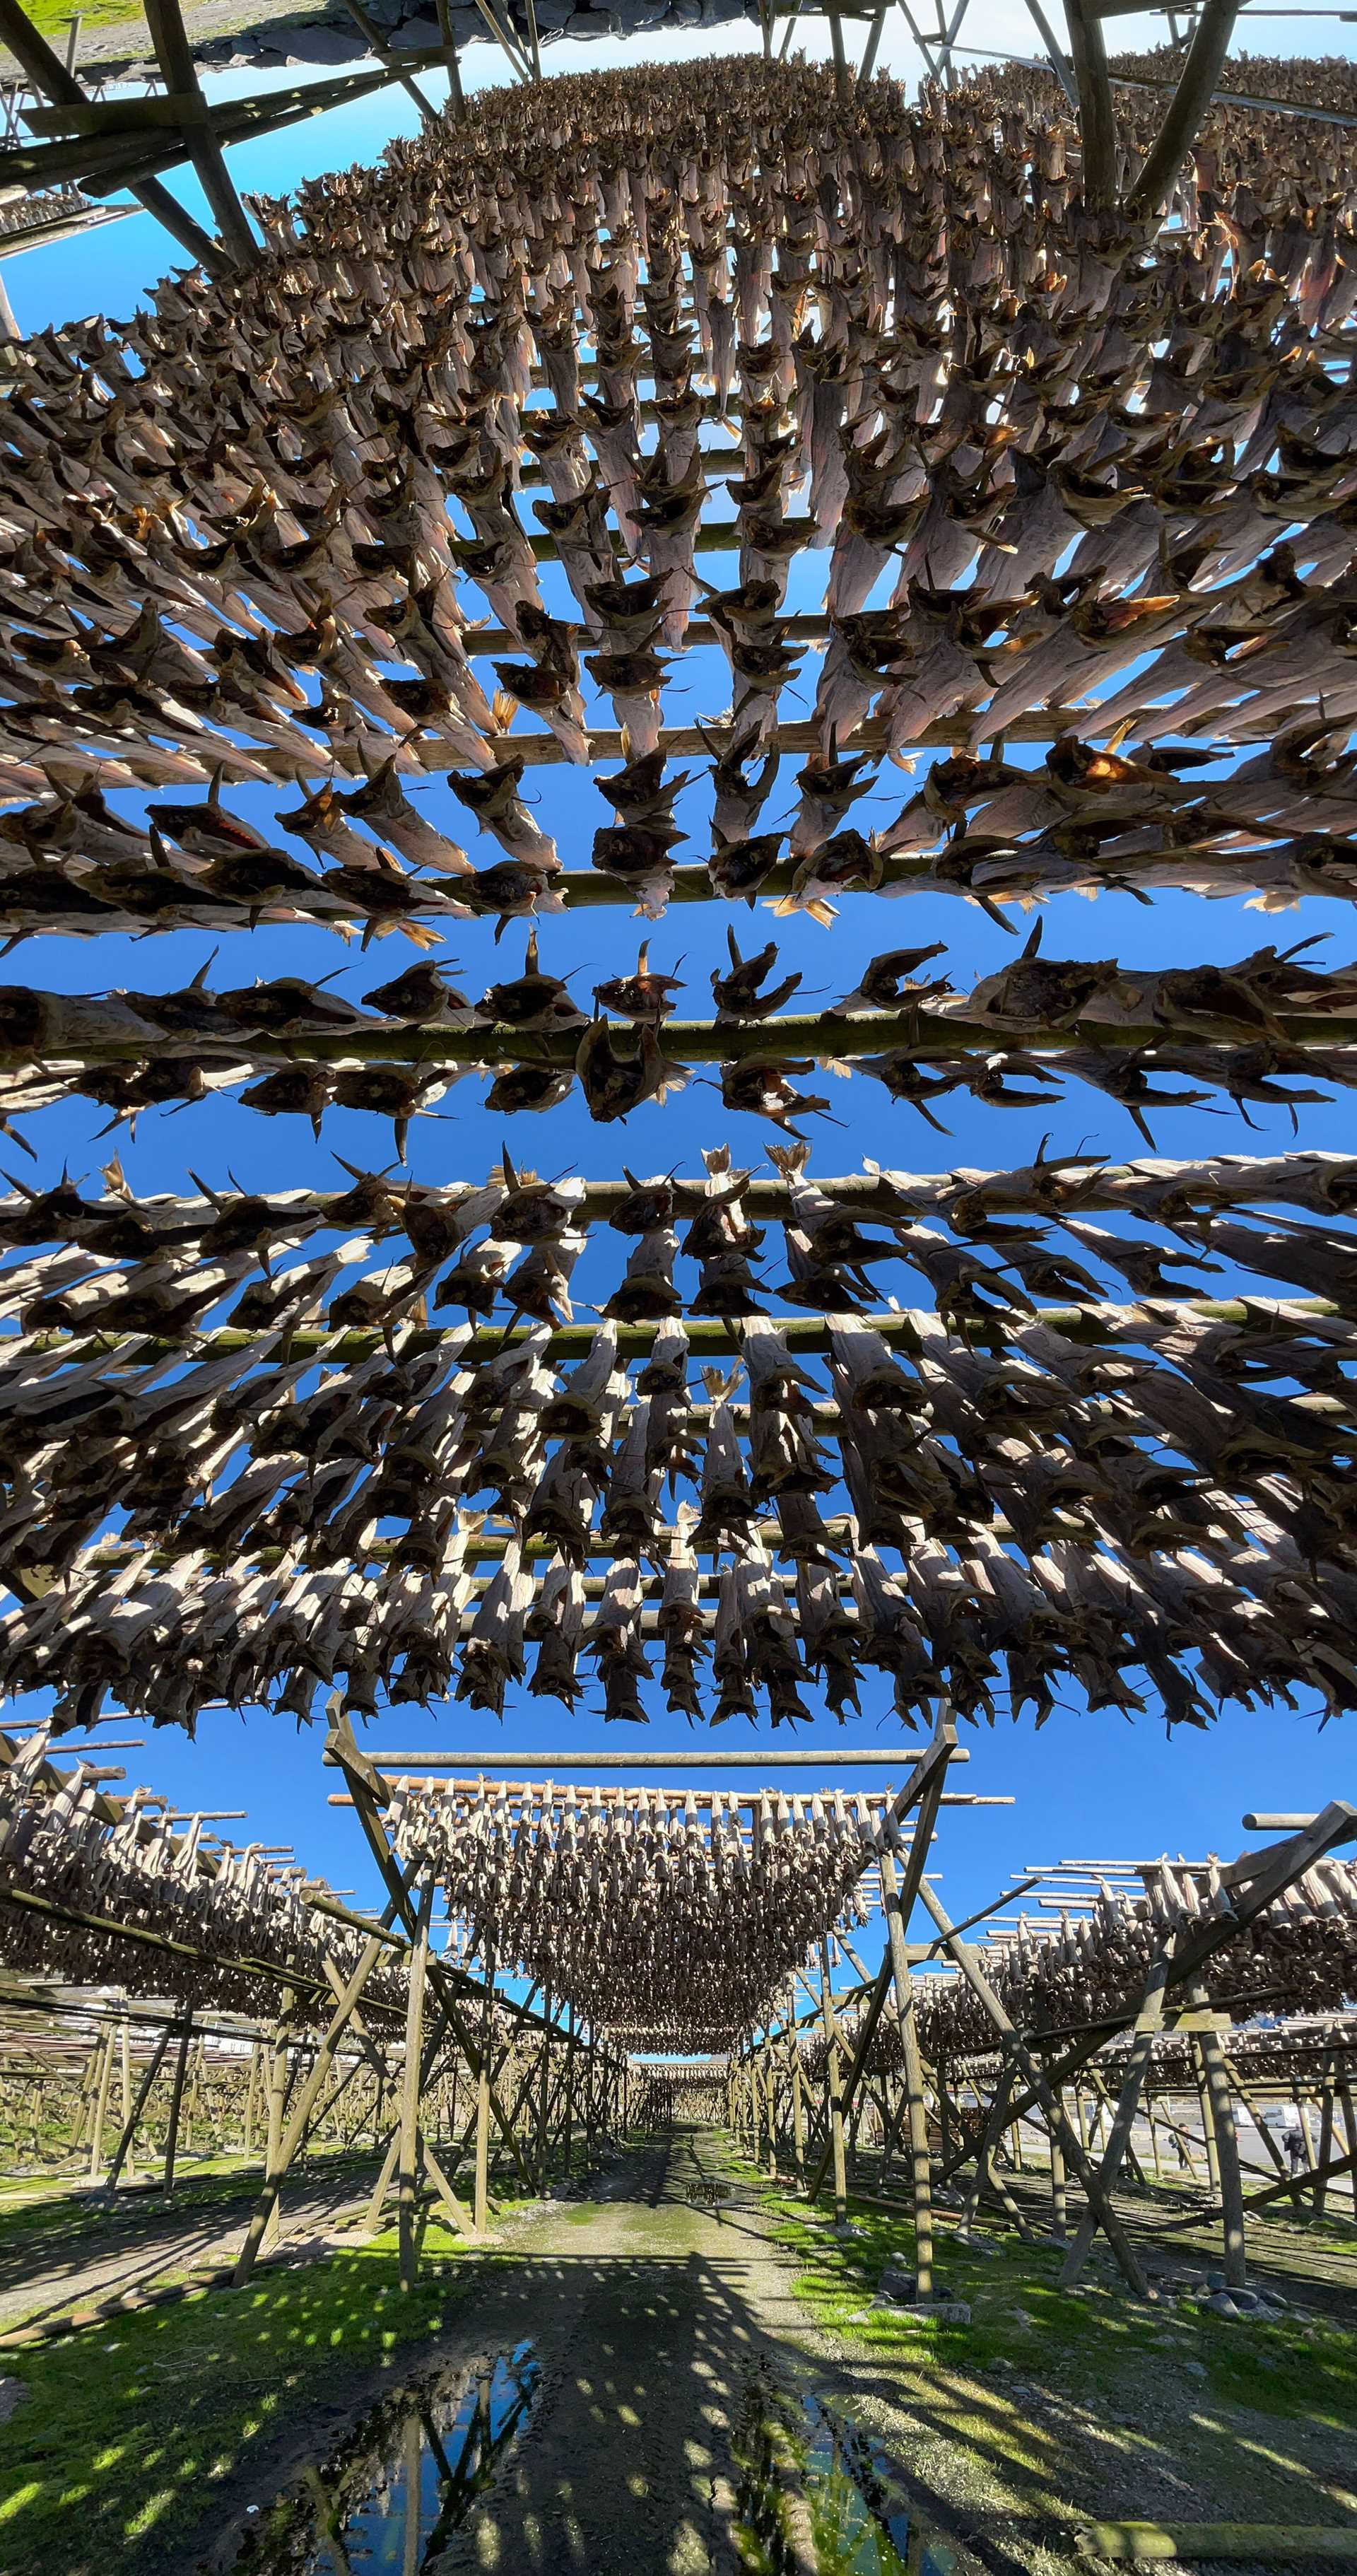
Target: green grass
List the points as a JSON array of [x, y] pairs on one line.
[[127, 2426], [1290, 2367], [45, 2215], [52, 18]]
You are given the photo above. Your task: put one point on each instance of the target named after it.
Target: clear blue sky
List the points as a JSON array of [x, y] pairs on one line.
[[1086, 1786]]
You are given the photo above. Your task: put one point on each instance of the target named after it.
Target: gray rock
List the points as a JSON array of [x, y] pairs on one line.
[[12, 2394], [414, 35], [555, 13], [686, 13], [326, 45], [1195, 2369]]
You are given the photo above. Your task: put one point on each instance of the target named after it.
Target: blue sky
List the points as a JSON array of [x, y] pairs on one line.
[[1086, 1786]]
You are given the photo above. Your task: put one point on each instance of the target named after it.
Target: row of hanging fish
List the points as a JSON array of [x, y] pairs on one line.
[[1212, 1598], [641, 1907], [66, 1843], [251, 534], [1164, 1423], [1262, 1029], [1298, 1955], [368, 861], [520, 1208], [179, 1268]]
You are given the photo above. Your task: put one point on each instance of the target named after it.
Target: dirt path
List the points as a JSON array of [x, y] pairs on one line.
[[87, 2250], [646, 2314]]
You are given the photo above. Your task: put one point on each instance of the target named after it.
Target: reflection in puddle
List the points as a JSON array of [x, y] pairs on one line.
[[810, 2476], [399, 2485]]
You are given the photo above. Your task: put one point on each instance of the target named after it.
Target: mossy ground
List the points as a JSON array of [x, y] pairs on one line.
[[1054, 2406], [1050, 2408], [126, 2427], [52, 18]]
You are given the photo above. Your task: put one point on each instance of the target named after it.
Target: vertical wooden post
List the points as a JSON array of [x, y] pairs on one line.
[[569, 2130], [123, 2150], [920, 2173], [544, 2096], [1325, 2138], [176, 2102], [798, 2115], [101, 2105], [277, 2097], [1349, 2109], [125, 2036], [833, 2082], [1208, 2126], [842, 84], [1058, 2216], [480, 2205], [1219, 2118], [408, 2169], [456, 101], [1097, 124], [251, 2098]]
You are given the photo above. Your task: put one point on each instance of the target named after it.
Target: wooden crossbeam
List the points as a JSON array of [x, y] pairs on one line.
[[179, 71], [1094, 1324], [936, 1035], [55, 81]]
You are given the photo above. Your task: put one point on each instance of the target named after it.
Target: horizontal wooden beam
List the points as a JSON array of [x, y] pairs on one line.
[[694, 1758], [705, 1334], [929, 1034]]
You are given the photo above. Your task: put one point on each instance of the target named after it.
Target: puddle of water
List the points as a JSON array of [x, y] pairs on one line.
[[814, 2468], [390, 2497]]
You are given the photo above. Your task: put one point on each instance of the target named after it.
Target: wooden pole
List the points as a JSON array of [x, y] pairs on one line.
[[283, 2147], [480, 2206], [101, 2107], [544, 2101], [1197, 82], [1325, 2139], [1058, 2211], [52, 79], [920, 2171], [277, 2097], [122, 2151], [1148, 2025], [1097, 124], [125, 2035], [832, 2080], [1035, 2077], [1219, 2119], [409, 2124], [176, 2103], [179, 72]]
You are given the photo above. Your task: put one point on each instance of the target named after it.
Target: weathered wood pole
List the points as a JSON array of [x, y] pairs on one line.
[[176, 2105], [1058, 2212], [123, 2150], [408, 2168], [1221, 2130], [125, 2038], [833, 2082], [921, 2183], [277, 2099], [101, 2106]]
